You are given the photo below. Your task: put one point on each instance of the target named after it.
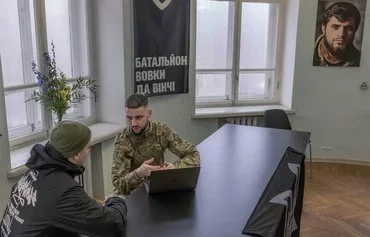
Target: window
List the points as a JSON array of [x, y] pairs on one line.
[[28, 28], [236, 52]]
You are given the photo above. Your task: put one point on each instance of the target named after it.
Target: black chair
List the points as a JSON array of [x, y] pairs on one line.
[[277, 118]]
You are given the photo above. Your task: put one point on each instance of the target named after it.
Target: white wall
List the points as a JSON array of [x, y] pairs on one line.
[[328, 101], [107, 52], [288, 51]]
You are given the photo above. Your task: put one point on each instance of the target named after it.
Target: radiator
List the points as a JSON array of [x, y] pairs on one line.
[[245, 120]]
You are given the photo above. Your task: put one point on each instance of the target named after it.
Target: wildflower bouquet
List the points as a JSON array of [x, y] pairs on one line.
[[56, 94]]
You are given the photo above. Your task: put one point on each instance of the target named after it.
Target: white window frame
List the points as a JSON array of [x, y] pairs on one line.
[[232, 98], [42, 46]]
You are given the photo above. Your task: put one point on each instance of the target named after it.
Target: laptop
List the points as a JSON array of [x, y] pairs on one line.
[[171, 180]]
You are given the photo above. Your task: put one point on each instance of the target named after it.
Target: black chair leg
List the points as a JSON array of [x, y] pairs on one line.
[[310, 159]]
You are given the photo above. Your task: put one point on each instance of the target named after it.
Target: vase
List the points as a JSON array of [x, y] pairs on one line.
[[60, 117], [57, 120], [56, 123]]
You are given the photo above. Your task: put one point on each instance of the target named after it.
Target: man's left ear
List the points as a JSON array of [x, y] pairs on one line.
[[323, 28], [76, 157], [150, 112]]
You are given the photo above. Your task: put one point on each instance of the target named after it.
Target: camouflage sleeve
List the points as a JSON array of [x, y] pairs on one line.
[[123, 178], [188, 153]]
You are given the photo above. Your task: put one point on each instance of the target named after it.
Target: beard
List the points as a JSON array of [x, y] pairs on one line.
[[336, 51], [141, 131]]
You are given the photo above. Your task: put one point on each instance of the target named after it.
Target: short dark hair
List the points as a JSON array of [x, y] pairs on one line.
[[136, 101], [342, 11]]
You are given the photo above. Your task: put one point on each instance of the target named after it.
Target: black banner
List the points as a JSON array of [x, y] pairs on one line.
[[279, 210], [161, 46]]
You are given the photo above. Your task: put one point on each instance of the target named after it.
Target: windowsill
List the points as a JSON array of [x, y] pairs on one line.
[[99, 133], [236, 111]]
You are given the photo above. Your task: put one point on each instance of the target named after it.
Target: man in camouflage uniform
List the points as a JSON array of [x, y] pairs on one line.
[[139, 149]]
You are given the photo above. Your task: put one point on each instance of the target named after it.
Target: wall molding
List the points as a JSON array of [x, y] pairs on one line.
[[337, 161]]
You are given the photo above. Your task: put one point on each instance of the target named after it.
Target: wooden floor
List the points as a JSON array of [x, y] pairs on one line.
[[336, 201]]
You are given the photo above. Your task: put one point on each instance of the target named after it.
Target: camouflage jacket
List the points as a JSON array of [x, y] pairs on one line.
[[131, 150]]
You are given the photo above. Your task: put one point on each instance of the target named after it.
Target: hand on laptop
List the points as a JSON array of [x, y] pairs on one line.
[[167, 166], [145, 168]]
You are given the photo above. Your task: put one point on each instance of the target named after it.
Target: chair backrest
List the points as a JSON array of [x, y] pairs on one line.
[[277, 118]]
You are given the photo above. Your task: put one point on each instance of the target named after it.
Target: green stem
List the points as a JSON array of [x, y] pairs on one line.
[[60, 117]]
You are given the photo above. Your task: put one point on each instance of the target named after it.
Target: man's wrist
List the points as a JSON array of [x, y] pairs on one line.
[[137, 176]]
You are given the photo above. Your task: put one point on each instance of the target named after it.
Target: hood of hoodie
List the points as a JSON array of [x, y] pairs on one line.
[[47, 157]]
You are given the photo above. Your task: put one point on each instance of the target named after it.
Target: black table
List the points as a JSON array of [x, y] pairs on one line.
[[237, 163]]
